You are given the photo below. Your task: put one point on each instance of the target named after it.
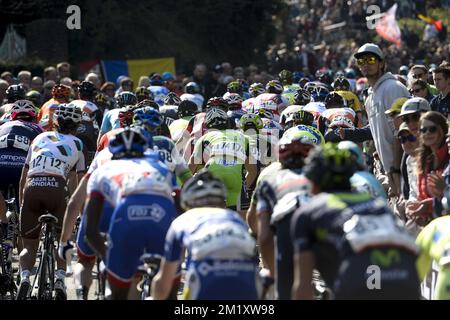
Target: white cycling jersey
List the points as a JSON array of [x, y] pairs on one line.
[[117, 179], [53, 153]]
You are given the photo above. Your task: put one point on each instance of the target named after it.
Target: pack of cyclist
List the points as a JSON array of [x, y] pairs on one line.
[[274, 190]]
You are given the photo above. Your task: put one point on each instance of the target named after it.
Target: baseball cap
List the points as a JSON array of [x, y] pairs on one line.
[[369, 48], [396, 107], [414, 105], [403, 127]]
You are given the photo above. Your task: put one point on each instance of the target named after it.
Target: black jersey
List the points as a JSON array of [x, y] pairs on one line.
[[351, 235]]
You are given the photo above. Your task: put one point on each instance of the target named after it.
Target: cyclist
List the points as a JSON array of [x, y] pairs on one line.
[[289, 88], [15, 92], [192, 93], [353, 240], [92, 118], [158, 89], [15, 139], [235, 111], [225, 153], [362, 180], [277, 198], [35, 97], [342, 86], [170, 107], [140, 191], [143, 93], [111, 118], [51, 158], [272, 100], [150, 121], [186, 111], [220, 251], [255, 90], [434, 241], [60, 94]]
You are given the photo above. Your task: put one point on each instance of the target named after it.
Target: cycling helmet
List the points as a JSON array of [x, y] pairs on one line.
[[330, 168], [87, 89], [403, 70], [350, 73], [23, 109], [203, 190], [156, 80], [295, 144], [147, 103], [68, 116], [355, 151], [302, 97], [217, 102], [286, 77], [265, 113], [187, 108], [256, 89], [216, 117], [234, 100], [143, 93], [15, 92], [299, 117], [35, 97], [244, 85], [274, 86], [324, 76], [341, 83], [234, 87], [103, 100], [296, 76], [127, 143], [147, 117], [319, 94], [126, 98], [334, 100], [192, 88], [171, 99], [250, 121], [61, 91], [341, 122], [125, 116]]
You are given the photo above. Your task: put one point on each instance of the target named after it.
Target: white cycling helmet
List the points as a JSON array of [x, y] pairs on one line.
[[68, 112], [215, 117], [203, 190], [23, 108]]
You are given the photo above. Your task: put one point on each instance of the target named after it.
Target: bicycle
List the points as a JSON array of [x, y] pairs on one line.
[[101, 279], [148, 270], [45, 276], [7, 284]]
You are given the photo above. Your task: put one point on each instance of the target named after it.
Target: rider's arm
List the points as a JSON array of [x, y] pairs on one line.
[[250, 166], [265, 240], [196, 160], [303, 270], [73, 208], [23, 179], [162, 283]]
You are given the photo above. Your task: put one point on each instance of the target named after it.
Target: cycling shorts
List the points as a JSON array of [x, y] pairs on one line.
[[84, 250], [222, 280], [357, 277], [231, 176], [138, 224], [41, 195]]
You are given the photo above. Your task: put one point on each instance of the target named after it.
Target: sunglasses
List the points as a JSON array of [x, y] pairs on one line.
[[369, 60], [418, 75], [414, 117], [430, 129], [416, 90], [409, 137]]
